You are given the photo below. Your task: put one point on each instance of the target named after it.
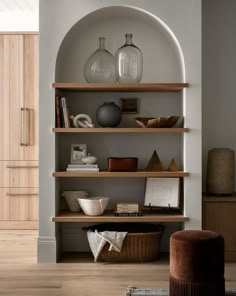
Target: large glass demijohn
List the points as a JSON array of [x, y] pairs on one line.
[[100, 66], [129, 62]]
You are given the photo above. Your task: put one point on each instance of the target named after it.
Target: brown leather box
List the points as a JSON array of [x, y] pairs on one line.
[[122, 164]]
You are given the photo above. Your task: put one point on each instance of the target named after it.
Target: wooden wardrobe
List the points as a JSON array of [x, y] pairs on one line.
[[19, 131]]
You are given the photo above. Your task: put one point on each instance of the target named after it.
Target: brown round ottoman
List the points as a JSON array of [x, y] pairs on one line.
[[196, 263]]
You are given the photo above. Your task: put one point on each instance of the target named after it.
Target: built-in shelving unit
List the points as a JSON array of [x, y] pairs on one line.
[[107, 174], [120, 130], [108, 216], [120, 87]]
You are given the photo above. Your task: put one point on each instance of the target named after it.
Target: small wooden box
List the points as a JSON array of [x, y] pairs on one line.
[[127, 207], [122, 164]]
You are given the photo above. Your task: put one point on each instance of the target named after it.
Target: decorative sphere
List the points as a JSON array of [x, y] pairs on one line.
[[108, 114]]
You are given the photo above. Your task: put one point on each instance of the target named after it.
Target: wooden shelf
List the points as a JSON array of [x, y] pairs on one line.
[[120, 87], [120, 130], [109, 217], [107, 174]]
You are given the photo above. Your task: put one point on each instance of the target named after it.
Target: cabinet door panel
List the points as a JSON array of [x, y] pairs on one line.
[[12, 96], [19, 204], [219, 217], [4, 205], [19, 86], [19, 174], [31, 95]]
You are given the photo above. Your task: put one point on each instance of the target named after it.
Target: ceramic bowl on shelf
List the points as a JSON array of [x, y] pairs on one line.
[[89, 159], [156, 122], [71, 198], [94, 206]]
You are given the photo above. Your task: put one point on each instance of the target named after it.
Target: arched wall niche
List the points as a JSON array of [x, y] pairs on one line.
[[163, 59]]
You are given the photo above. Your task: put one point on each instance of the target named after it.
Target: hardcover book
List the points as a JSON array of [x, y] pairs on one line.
[[65, 112], [84, 165], [82, 169], [125, 214], [57, 112]]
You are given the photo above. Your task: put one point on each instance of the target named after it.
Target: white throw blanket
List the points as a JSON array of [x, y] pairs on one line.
[[97, 241]]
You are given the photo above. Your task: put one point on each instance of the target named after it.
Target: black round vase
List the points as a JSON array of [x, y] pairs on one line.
[[108, 114]]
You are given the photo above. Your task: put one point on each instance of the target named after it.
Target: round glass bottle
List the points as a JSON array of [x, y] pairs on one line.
[[129, 62], [100, 66]]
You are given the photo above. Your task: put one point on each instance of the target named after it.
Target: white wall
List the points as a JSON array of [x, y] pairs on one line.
[[24, 22], [19, 15], [57, 17], [219, 76]]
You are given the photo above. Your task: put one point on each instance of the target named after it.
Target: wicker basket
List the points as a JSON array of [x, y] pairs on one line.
[[137, 247]]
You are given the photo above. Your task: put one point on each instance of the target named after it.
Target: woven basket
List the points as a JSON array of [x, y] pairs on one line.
[[137, 247]]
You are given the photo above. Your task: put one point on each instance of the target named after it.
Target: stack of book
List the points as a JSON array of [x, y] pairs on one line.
[[128, 209], [62, 112], [82, 167]]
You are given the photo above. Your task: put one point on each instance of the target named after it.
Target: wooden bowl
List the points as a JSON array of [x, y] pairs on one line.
[[157, 122]]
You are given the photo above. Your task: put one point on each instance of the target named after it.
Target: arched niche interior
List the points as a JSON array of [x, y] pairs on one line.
[[162, 63], [161, 54]]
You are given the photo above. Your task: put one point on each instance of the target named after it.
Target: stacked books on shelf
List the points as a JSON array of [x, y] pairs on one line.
[[62, 112], [82, 167], [130, 209]]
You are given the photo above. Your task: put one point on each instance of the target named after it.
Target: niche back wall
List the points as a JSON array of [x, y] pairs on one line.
[[219, 76]]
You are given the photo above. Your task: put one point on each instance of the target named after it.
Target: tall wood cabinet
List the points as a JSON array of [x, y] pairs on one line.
[[19, 131]]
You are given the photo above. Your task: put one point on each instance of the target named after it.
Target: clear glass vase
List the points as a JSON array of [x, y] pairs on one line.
[[100, 66], [129, 62]]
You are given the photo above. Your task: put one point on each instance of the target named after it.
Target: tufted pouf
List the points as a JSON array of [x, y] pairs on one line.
[[196, 263]]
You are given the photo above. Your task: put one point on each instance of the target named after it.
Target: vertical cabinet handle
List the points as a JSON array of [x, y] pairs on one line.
[[23, 128], [27, 126], [25, 118], [22, 137]]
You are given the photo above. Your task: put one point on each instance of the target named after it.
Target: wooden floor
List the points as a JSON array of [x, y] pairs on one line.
[[21, 275]]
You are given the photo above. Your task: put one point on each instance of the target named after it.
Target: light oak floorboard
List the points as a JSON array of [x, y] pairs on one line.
[[21, 275]]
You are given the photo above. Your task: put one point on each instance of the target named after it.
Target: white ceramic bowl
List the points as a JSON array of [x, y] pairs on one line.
[[93, 206], [89, 159]]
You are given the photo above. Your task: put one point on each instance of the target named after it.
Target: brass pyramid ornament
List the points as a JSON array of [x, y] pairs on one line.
[[154, 164], [173, 166]]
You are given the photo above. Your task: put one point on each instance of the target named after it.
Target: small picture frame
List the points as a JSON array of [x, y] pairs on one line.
[[78, 151], [162, 192], [129, 105]]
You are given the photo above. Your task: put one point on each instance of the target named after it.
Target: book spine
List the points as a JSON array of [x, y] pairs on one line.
[[61, 112], [82, 166], [82, 169], [57, 111], [65, 112]]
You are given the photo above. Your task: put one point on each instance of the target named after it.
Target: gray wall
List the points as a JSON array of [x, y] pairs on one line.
[[218, 76]]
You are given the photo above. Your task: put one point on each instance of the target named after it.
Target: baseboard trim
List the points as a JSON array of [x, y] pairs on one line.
[[47, 249]]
